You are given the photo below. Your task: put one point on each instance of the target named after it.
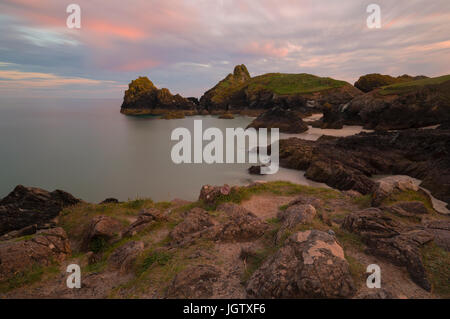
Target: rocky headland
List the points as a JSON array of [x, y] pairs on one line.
[[264, 240], [143, 97], [404, 105]]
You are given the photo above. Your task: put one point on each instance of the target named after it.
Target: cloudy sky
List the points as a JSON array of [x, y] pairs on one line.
[[188, 45]]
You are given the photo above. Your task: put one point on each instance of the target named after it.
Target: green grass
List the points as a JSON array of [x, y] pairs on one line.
[[409, 196], [363, 201], [278, 83], [35, 274], [160, 258], [286, 84], [399, 88], [437, 265], [279, 188]]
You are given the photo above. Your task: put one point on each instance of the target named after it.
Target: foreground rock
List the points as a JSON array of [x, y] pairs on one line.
[[143, 97], [194, 282], [311, 264], [44, 249], [349, 162], [26, 206], [392, 240], [101, 230], [124, 257], [286, 121], [237, 225], [146, 218]]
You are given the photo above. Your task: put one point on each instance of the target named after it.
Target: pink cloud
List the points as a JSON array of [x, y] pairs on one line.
[[266, 49]]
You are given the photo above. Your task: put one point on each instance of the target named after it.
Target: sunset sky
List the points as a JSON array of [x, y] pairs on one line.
[[188, 45]]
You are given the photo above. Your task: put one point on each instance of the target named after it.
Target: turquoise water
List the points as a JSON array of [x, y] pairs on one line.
[[86, 147]]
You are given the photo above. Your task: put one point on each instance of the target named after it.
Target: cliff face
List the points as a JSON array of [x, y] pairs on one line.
[[399, 106], [301, 92], [143, 96]]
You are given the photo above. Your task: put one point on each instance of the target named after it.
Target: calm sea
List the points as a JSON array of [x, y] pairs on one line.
[[87, 148]]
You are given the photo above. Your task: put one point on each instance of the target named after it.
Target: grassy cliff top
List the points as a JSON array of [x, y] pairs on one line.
[[278, 83], [285, 83], [406, 87]]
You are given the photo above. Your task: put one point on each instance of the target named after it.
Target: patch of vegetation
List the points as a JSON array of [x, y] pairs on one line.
[[437, 265], [349, 240], [405, 87], [20, 279], [363, 201], [409, 196], [98, 244], [160, 258], [286, 84], [76, 218], [280, 188], [357, 270]]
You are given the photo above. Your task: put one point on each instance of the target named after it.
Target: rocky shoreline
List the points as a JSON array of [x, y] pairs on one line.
[[264, 240]]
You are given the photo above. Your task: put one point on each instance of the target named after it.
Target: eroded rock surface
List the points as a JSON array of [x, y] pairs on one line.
[[311, 264]]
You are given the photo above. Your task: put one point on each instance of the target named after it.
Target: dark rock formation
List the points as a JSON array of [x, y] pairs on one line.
[[423, 103], [349, 162], [286, 121], [143, 97], [26, 206], [110, 201], [311, 264], [369, 82]]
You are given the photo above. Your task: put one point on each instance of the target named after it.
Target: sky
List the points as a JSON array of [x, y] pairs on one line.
[[189, 45]]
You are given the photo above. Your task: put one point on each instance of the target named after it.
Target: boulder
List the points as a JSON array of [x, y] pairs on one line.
[[100, 231], [194, 222], [240, 225], [26, 206], [123, 258], [43, 249], [194, 282], [145, 218], [310, 264], [294, 215], [285, 120], [388, 186]]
